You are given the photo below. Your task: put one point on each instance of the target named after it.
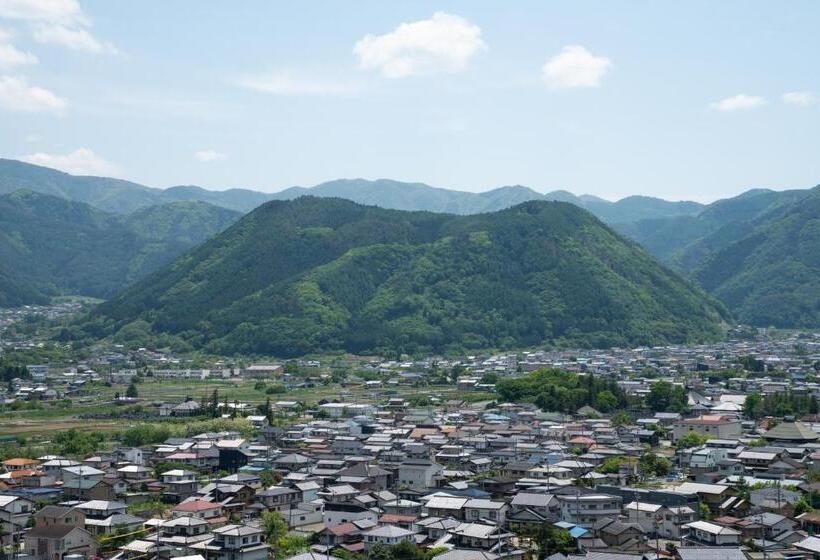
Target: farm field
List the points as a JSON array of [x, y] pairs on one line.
[[62, 415]]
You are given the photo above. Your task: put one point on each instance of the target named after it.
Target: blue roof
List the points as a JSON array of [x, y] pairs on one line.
[[577, 532]]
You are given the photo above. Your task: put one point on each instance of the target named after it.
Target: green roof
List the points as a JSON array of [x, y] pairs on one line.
[[791, 431]]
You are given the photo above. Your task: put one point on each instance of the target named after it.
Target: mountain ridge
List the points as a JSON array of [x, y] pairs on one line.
[[123, 197], [53, 246], [335, 275]]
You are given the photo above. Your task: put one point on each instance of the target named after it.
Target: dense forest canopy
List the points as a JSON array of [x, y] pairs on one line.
[[327, 274]]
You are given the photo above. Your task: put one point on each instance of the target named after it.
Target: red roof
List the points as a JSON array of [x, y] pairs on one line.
[[396, 518], [20, 462], [196, 505]]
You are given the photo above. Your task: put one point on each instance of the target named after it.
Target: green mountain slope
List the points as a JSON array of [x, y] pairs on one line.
[[50, 246], [770, 273], [314, 274], [684, 242]]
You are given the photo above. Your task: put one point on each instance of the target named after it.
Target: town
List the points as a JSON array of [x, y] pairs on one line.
[[684, 452]]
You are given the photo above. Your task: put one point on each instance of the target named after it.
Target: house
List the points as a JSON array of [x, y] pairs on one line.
[[617, 533], [20, 463], [387, 535], [234, 542], [179, 484], [59, 531], [585, 510], [712, 425], [337, 514], [477, 509], [184, 532], [711, 534], [198, 508], [85, 483], [791, 433], [418, 474], [14, 515], [656, 519], [531, 509]]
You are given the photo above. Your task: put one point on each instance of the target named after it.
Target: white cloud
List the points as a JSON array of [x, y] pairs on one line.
[[75, 38], [739, 102], [82, 161], [283, 83], [210, 155], [11, 57], [66, 11], [56, 22], [17, 95], [800, 98], [575, 67], [443, 43]]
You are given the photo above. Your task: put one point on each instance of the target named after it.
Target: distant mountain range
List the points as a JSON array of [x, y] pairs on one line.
[[316, 275], [114, 195], [51, 246], [418, 196]]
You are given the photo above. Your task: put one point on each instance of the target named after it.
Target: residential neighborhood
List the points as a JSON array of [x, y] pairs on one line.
[[703, 475]]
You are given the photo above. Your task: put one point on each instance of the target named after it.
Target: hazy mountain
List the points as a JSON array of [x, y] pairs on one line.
[[113, 195], [418, 196], [50, 246], [329, 274]]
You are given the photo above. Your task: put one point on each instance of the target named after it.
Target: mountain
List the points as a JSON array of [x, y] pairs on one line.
[[396, 195], [112, 195], [684, 242], [51, 246], [768, 272], [123, 197], [322, 274], [115, 195]]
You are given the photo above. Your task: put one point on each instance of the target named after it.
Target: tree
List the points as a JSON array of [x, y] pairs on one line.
[[606, 401], [550, 539], [611, 465], [753, 406], [621, 418], [275, 529], [704, 511], [653, 465], [213, 407], [274, 526], [666, 397], [131, 392], [802, 505], [691, 439]]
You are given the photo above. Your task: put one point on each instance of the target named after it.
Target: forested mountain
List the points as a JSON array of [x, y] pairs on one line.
[[113, 195], [328, 274], [51, 246], [769, 273], [684, 242]]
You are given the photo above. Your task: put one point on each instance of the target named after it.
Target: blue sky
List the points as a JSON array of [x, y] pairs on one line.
[[682, 100]]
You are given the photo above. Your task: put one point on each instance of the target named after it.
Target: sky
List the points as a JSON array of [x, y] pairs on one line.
[[680, 100]]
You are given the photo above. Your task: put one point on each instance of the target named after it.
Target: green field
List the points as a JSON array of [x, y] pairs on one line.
[[59, 415]]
